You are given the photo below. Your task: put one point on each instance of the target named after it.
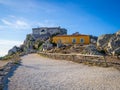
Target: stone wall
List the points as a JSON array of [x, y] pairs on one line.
[[50, 30], [80, 58], [98, 60]]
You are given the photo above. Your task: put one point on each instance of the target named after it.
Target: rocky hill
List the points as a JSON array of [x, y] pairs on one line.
[[108, 44], [39, 38]]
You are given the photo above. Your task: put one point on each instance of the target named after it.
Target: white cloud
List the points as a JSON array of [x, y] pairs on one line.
[[6, 45], [10, 42], [6, 22], [15, 23], [21, 23]]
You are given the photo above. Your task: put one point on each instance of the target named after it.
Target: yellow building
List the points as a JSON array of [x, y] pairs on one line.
[[72, 39]]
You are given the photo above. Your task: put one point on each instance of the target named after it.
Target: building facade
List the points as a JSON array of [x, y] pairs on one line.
[[71, 39], [48, 30]]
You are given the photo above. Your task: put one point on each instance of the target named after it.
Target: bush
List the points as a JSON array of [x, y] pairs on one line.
[[37, 44], [40, 48]]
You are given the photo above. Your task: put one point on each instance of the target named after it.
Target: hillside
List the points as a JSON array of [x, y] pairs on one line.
[[108, 44]]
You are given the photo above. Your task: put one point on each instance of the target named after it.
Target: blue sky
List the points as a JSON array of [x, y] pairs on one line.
[[18, 17]]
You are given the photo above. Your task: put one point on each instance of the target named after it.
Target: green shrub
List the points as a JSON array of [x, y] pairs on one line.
[[40, 48]]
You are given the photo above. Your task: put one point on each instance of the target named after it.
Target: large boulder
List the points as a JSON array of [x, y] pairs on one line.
[[31, 43], [91, 50], [114, 42], [109, 43], [103, 40], [14, 50]]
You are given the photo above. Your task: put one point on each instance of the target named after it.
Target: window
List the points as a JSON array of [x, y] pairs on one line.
[[81, 40], [73, 40], [43, 30]]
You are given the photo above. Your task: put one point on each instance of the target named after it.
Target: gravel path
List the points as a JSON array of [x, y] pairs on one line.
[[39, 73]]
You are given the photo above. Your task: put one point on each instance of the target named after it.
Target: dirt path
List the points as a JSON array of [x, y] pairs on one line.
[[39, 73], [4, 62]]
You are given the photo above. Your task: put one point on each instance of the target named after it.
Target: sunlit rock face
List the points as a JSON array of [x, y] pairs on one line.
[[14, 50], [109, 43]]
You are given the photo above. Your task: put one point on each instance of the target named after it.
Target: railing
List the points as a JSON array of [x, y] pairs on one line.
[[98, 59]]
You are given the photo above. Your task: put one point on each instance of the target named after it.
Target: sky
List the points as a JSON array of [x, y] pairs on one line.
[[93, 17]]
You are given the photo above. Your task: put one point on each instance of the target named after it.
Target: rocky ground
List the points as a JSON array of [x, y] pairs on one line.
[[39, 73]]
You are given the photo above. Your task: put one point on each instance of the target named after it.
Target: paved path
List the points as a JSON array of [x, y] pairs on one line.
[[39, 73]]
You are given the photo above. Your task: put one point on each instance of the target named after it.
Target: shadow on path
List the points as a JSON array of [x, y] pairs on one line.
[[9, 75]]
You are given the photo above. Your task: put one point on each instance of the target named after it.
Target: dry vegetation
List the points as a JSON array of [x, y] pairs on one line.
[[9, 58]]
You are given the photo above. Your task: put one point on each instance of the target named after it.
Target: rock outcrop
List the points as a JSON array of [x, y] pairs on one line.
[[103, 40], [110, 43], [91, 50], [34, 41], [14, 50], [93, 39], [31, 44]]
